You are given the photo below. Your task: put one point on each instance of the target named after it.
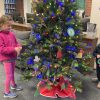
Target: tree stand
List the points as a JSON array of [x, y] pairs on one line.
[[56, 90]]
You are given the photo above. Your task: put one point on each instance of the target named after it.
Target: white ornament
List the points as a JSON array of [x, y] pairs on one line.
[[70, 31], [37, 59]]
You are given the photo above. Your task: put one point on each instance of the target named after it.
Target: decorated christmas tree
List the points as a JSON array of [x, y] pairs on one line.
[[54, 54]]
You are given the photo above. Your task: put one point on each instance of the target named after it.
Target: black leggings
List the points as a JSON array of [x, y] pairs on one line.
[[98, 69]]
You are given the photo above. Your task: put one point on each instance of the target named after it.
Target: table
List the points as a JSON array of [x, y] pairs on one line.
[[90, 44], [21, 27]]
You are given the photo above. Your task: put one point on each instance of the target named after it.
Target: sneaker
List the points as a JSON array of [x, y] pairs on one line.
[[10, 95], [95, 79], [98, 86], [16, 87]]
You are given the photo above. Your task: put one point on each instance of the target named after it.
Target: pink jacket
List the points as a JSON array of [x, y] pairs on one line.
[[7, 44]]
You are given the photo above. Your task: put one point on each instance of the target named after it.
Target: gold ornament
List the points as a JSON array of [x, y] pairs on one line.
[[77, 36], [58, 11]]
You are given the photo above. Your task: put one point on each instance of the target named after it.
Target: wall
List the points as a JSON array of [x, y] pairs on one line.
[[95, 15], [27, 8], [20, 7], [2, 7], [88, 4]]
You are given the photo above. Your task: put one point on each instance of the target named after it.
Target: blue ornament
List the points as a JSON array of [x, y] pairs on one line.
[[71, 56], [68, 47], [30, 61], [65, 34], [57, 1], [72, 0], [34, 25], [61, 4], [70, 31], [68, 19], [52, 78], [45, 1], [39, 76], [33, 33], [45, 18], [53, 14], [77, 32], [71, 48], [73, 13], [38, 36]]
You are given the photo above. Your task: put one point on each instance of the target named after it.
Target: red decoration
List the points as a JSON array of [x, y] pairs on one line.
[[56, 90], [59, 54]]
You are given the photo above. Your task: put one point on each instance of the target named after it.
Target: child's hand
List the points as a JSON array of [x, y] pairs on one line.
[[18, 49], [98, 56]]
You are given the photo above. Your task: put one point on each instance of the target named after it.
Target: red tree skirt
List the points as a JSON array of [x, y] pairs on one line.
[[56, 91]]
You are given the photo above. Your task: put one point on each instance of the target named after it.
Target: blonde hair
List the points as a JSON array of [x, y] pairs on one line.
[[5, 19]]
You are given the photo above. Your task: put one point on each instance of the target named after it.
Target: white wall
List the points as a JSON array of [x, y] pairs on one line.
[[27, 8], [1, 7], [95, 15]]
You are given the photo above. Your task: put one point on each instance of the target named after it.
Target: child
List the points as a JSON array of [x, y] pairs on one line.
[[9, 50], [96, 54]]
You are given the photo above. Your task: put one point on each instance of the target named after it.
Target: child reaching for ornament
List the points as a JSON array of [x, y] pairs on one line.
[[96, 54]]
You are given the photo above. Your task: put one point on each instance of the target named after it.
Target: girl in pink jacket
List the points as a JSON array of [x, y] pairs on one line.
[[9, 50]]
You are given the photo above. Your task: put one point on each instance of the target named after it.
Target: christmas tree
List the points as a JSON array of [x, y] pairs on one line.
[[53, 53]]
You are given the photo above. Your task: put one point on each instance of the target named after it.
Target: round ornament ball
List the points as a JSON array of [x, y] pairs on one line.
[[70, 31]]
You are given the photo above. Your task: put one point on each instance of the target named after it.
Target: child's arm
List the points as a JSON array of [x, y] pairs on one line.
[[4, 49], [98, 56], [18, 47]]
